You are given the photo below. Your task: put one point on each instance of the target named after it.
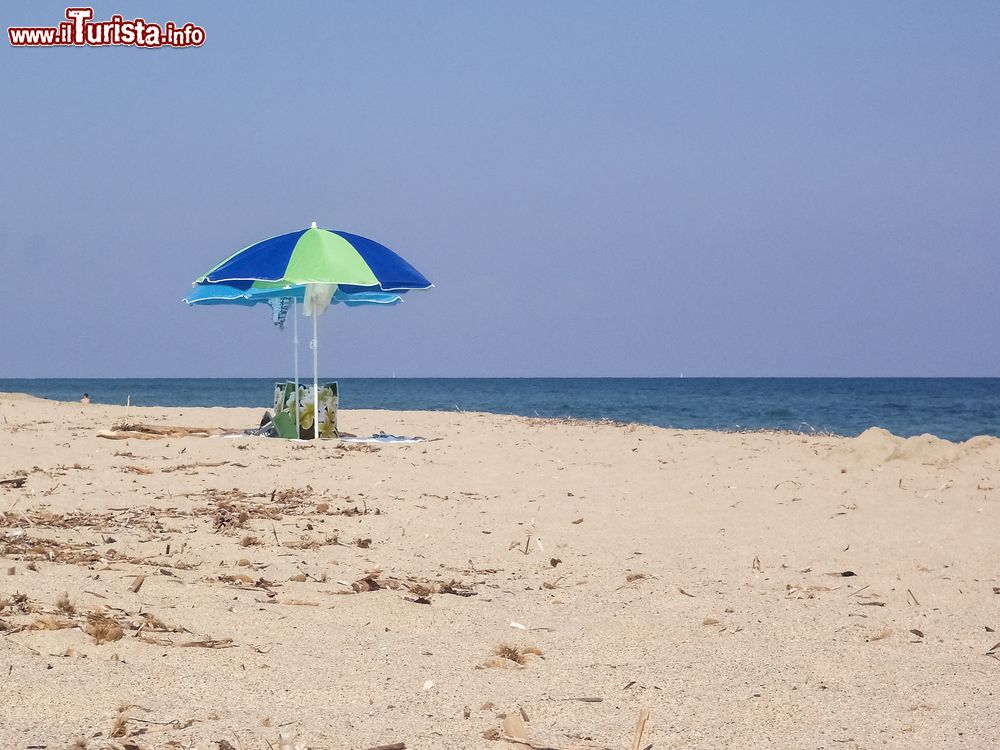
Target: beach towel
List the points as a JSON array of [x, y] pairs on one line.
[[279, 310], [383, 437]]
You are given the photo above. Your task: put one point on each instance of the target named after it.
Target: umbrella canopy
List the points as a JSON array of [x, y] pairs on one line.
[[315, 266], [320, 256]]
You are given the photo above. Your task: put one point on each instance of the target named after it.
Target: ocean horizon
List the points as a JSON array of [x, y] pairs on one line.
[[951, 408]]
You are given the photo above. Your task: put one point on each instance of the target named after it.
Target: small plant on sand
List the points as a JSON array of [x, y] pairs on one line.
[[505, 655], [119, 727], [63, 604]]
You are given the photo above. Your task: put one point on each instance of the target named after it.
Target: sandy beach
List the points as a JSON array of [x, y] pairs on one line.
[[756, 590]]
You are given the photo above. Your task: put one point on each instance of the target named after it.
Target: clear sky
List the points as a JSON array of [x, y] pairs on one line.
[[794, 188]]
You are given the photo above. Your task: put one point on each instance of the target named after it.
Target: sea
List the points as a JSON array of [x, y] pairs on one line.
[[951, 408]]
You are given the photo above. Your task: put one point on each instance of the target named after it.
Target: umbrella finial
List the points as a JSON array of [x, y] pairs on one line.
[[314, 225]]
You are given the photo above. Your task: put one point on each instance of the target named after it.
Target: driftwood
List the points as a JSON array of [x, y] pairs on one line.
[[127, 435], [13, 482], [640, 727], [154, 432]]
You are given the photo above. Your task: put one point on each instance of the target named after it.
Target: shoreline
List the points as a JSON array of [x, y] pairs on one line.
[[951, 409], [538, 420]]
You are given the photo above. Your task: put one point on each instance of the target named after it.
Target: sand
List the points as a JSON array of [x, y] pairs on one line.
[[701, 575]]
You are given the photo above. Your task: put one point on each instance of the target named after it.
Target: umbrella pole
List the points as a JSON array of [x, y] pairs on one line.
[[295, 340], [315, 348]]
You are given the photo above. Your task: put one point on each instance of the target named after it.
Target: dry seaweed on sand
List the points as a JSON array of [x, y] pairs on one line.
[[31, 549], [374, 580], [198, 465], [102, 628], [235, 580], [149, 621], [246, 583], [51, 622], [229, 516], [103, 625], [209, 643], [358, 447], [232, 509], [132, 518], [504, 655], [426, 588], [354, 510], [314, 542], [131, 469], [18, 603]]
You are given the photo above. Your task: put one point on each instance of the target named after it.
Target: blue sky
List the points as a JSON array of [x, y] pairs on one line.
[[595, 188]]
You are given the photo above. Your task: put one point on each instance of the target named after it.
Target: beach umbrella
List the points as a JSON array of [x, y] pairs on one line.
[[280, 297], [322, 263]]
